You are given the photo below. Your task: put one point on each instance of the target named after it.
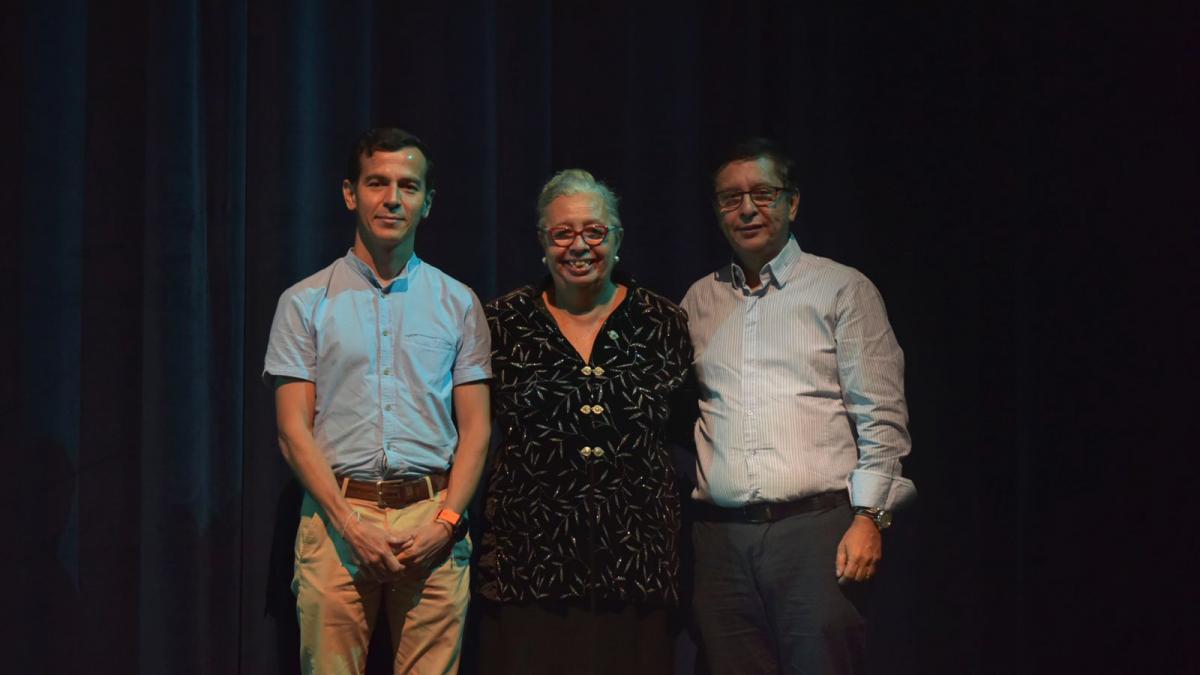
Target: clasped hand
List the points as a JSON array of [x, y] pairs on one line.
[[385, 556]]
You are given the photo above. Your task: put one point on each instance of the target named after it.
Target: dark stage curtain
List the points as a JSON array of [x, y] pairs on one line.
[[1019, 180]]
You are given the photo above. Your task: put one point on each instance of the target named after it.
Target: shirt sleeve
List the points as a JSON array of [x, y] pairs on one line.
[[686, 304], [292, 346], [871, 369], [474, 361]]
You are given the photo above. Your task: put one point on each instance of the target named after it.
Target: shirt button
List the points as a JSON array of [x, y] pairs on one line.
[[596, 409], [586, 370], [385, 332], [599, 452], [387, 407], [387, 371], [597, 371], [585, 409], [586, 451]]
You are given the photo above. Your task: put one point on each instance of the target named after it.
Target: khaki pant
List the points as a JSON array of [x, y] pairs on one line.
[[337, 611]]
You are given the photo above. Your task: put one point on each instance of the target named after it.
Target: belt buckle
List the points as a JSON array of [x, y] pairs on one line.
[[379, 501], [757, 513]]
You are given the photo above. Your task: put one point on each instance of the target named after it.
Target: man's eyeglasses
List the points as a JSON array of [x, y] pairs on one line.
[[593, 235], [763, 195]]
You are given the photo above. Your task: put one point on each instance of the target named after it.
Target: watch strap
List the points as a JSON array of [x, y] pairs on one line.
[[455, 520], [881, 518]]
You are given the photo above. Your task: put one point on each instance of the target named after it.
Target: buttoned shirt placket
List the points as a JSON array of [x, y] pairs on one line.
[[388, 398], [751, 406]]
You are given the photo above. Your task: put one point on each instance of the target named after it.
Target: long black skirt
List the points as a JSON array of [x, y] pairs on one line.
[[570, 637]]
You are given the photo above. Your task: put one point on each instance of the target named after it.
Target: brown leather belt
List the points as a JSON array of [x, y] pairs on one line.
[[768, 512], [394, 494]]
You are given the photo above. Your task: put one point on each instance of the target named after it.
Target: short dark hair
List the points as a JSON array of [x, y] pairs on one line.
[[387, 139], [754, 148]]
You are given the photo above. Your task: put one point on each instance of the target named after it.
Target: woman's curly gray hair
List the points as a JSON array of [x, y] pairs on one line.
[[574, 182]]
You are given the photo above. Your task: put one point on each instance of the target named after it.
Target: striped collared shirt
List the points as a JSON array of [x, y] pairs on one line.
[[801, 385]]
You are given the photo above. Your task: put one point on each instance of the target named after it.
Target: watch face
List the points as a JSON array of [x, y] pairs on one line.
[[884, 519]]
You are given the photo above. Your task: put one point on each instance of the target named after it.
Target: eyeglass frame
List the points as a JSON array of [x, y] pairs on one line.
[[742, 194], [608, 229]]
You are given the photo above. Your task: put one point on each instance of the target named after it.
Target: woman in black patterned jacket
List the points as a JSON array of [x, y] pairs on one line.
[[582, 535]]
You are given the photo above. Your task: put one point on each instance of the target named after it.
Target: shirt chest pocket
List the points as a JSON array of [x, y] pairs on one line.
[[430, 355]]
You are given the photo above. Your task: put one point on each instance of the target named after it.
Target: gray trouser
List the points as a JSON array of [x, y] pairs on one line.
[[766, 597]]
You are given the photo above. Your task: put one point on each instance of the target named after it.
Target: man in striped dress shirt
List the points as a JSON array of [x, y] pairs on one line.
[[801, 431]]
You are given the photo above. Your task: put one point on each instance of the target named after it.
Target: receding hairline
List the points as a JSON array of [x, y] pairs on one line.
[[386, 139], [367, 153]]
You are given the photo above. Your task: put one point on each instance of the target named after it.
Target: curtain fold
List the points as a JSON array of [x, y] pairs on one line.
[[175, 166]]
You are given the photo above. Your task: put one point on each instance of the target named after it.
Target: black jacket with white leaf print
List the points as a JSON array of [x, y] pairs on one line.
[[582, 500]]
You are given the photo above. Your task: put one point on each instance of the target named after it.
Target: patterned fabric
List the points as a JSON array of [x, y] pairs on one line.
[[582, 496]]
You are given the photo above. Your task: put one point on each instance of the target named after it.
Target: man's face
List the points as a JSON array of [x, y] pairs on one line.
[[756, 233], [390, 197]]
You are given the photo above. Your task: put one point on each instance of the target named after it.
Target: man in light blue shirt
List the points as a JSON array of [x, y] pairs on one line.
[[380, 363], [802, 428]]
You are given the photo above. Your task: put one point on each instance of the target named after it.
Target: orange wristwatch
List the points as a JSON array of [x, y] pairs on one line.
[[454, 520]]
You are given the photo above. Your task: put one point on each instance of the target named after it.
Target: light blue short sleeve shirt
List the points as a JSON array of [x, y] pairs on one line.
[[385, 361]]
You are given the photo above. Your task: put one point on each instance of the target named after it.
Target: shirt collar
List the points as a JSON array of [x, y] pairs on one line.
[[364, 270], [777, 271]]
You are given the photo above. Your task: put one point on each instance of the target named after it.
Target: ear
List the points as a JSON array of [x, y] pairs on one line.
[[793, 205], [428, 203], [620, 237], [348, 195]]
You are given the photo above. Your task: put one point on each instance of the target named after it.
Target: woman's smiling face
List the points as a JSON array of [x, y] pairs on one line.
[[578, 263]]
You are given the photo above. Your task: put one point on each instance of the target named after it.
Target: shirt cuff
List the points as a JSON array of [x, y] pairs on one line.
[[471, 374], [271, 372], [879, 490]]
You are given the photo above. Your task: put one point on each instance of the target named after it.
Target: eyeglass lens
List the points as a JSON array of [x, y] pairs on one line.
[[592, 234], [760, 196]]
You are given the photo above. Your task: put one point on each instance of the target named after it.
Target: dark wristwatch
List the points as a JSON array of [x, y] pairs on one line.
[[881, 518]]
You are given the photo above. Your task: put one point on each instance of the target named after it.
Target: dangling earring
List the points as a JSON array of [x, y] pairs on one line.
[[543, 260], [616, 259]]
